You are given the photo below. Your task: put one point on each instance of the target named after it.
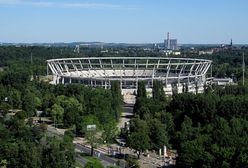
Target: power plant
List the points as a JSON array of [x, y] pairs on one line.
[[170, 44]]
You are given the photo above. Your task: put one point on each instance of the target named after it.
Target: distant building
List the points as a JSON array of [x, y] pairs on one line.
[[170, 44], [170, 52], [176, 53], [104, 51], [208, 52], [155, 46], [229, 46]]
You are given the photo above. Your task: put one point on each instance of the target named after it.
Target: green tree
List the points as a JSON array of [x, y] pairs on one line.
[[193, 153], [141, 103], [73, 111], [187, 131], [141, 92], [93, 138], [139, 141], [57, 113], [37, 102], [92, 135], [138, 138], [28, 103], [15, 98], [3, 163], [4, 108], [57, 153], [167, 119], [158, 93], [109, 131], [116, 99], [158, 134]]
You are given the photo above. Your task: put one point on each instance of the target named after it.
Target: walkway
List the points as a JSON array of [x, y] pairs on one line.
[[126, 115]]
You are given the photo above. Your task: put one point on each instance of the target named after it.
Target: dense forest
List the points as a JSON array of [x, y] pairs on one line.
[[226, 63], [70, 106], [23, 143], [208, 130]]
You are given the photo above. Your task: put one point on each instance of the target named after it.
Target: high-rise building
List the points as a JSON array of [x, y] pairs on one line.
[[170, 44]]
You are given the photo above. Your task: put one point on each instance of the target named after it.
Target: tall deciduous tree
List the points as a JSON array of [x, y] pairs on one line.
[[138, 138], [73, 111], [139, 141], [116, 98], [57, 113], [109, 131], [158, 93], [92, 135], [141, 92], [158, 134], [28, 103]]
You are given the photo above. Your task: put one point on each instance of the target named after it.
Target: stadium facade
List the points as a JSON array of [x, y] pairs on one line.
[[175, 73]]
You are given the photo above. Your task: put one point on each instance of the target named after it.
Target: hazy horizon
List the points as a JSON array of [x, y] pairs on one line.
[[115, 21], [85, 42]]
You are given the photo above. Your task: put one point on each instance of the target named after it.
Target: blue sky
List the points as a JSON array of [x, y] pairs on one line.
[[133, 21]]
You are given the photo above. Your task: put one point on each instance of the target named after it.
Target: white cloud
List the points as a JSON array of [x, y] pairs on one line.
[[89, 5], [10, 2], [41, 4], [63, 4]]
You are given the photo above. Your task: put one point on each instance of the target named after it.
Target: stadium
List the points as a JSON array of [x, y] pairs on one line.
[[175, 73]]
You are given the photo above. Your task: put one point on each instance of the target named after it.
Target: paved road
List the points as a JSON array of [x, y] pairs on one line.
[[107, 160]]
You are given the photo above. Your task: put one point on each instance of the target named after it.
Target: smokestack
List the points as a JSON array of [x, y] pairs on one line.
[[165, 42], [168, 40]]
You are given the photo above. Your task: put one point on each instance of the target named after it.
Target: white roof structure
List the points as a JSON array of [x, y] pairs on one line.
[[100, 71]]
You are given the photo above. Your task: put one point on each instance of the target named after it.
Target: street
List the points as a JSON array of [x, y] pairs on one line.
[[107, 161]]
